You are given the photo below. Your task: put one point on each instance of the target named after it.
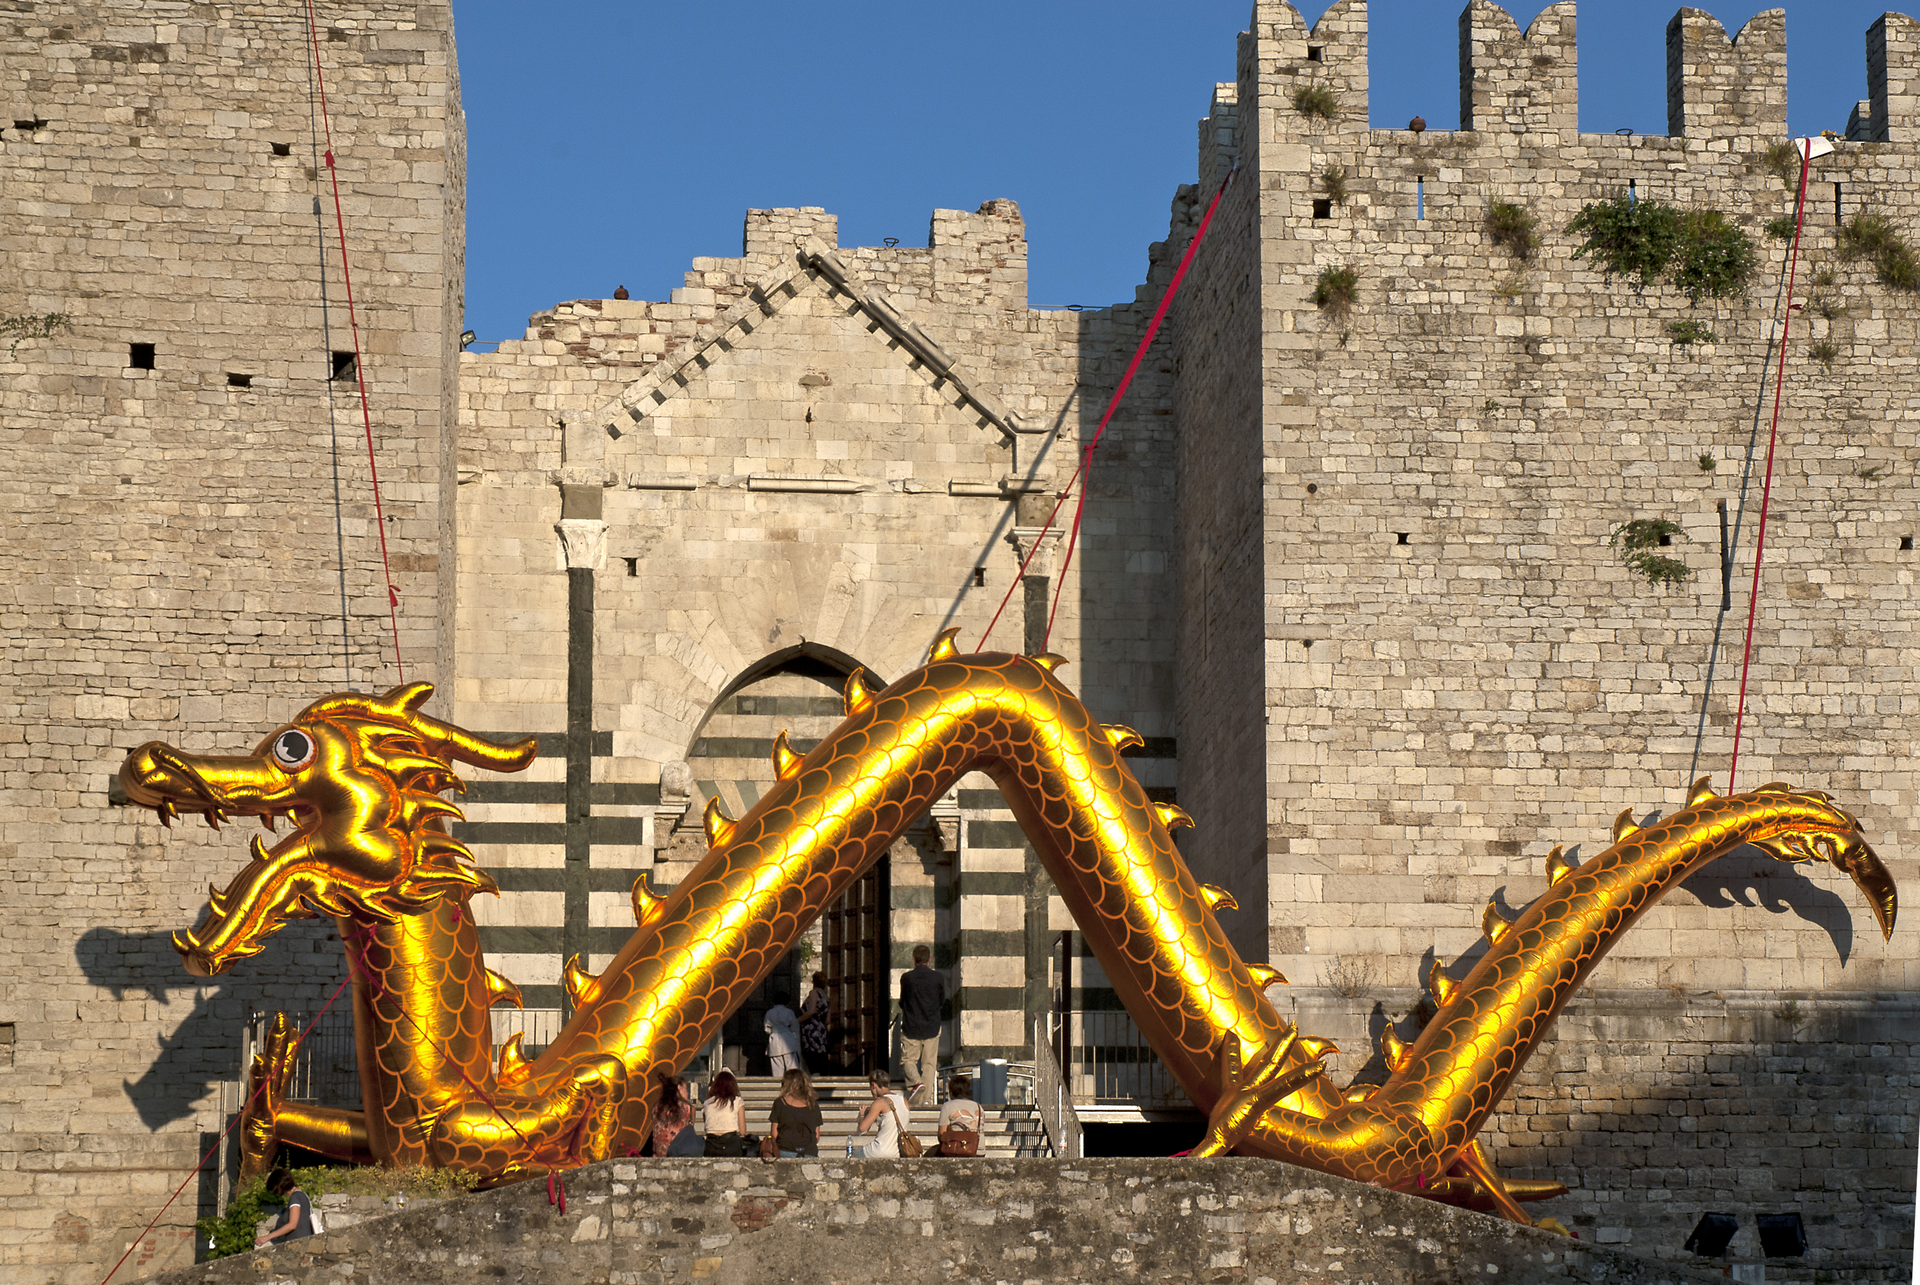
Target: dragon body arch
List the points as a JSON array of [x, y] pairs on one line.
[[361, 776]]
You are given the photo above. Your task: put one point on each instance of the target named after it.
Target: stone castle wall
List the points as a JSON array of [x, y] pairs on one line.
[[171, 564], [1459, 671]]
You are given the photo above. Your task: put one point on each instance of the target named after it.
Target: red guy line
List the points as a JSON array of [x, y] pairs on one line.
[[359, 365], [1086, 459], [1766, 488]]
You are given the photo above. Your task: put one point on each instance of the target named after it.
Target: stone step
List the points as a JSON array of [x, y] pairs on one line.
[[1005, 1131]]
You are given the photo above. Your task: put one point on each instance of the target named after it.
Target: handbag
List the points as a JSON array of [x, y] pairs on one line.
[[910, 1146], [769, 1148], [958, 1140]]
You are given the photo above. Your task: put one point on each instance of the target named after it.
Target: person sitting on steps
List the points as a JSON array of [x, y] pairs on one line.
[[886, 1115]]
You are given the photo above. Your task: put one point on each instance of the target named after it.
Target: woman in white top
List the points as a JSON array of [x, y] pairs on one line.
[[724, 1116], [886, 1115]]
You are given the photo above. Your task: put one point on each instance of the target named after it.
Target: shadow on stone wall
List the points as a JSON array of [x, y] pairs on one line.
[[1751, 878], [204, 1047]]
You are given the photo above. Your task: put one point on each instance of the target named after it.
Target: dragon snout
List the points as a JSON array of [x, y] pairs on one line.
[[194, 956]]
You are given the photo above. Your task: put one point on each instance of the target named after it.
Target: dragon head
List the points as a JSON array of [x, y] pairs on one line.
[[359, 779]]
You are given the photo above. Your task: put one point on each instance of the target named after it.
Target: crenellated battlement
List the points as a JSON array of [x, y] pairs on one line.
[[1522, 84], [1512, 82], [1719, 88]]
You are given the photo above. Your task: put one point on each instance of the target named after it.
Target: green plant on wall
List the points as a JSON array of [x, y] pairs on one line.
[[1700, 251], [1640, 541], [1513, 229], [1782, 160], [1316, 100], [33, 325], [1873, 237], [1683, 333], [1335, 291], [232, 1232], [1333, 181]]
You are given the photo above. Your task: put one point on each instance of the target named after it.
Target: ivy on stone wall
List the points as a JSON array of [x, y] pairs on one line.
[[1639, 541]]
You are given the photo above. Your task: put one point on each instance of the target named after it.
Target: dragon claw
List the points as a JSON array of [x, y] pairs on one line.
[[1248, 1090], [273, 1068]]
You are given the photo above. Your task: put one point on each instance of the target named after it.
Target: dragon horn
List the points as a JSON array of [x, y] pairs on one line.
[[456, 742]]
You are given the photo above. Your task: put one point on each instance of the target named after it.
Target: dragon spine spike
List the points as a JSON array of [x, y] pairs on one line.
[[1122, 737], [1439, 985], [1623, 825], [1393, 1049], [513, 1063], [1049, 660], [646, 906], [1317, 1046], [943, 647], [1493, 924], [1700, 792], [582, 985], [1774, 787], [1361, 1092], [1265, 975], [858, 695], [718, 825], [1172, 816], [502, 991], [785, 761], [1558, 867], [1217, 898]]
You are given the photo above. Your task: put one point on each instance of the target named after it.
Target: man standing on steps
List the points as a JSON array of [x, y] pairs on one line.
[[923, 994]]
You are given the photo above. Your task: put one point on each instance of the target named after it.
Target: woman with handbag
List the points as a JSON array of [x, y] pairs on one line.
[[795, 1119], [960, 1119], [673, 1134], [886, 1115], [725, 1117], [814, 1011]]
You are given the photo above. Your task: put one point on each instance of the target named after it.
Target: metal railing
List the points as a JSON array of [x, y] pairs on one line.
[[1051, 1097], [1110, 1061]]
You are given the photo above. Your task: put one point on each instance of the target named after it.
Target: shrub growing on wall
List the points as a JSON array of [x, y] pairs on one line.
[[1640, 541], [1873, 237], [1512, 227], [1700, 251]]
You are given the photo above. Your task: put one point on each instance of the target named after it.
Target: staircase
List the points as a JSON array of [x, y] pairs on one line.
[[1006, 1132]]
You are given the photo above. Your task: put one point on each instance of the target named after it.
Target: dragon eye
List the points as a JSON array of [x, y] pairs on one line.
[[292, 750]]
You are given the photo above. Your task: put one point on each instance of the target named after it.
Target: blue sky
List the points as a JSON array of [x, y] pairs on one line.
[[611, 141]]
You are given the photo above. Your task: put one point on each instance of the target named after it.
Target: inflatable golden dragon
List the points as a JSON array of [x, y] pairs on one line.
[[360, 778]]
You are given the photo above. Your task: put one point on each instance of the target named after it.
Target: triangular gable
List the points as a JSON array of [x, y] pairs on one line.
[[815, 263]]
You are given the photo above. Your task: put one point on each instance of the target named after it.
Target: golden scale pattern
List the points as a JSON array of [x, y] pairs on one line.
[[360, 778]]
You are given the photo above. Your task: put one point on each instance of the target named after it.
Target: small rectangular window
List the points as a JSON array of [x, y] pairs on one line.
[[283, 149], [1323, 207], [1401, 537], [1316, 53], [239, 381], [345, 367], [140, 356], [980, 577], [1906, 544]]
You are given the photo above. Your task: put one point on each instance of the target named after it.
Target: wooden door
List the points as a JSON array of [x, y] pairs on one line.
[[855, 958]]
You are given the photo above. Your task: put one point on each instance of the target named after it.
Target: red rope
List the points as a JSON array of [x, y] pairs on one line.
[[359, 365], [1766, 487], [1086, 458], [237, 1117]]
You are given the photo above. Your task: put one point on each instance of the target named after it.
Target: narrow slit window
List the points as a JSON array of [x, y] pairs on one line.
[[980, 577], [1323, 207], [633, 566], [140, 356], [1420, 198], [239, 381], [1836, 205], [345, 367]]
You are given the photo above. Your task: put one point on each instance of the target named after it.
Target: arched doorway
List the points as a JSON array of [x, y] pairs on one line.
[[798, 691]]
